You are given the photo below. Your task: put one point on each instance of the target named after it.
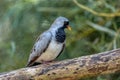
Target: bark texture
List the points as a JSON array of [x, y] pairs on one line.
[[72, 69]]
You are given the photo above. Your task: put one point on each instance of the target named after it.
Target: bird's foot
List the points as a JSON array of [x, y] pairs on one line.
[[48, 62]]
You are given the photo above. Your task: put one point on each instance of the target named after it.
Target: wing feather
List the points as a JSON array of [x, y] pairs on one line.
[[39, 47], [63, 47]]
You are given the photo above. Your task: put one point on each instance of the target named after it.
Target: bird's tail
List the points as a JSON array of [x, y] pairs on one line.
[[34, 64]]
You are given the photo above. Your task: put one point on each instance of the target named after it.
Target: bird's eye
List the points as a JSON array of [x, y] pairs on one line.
[[66, 22]]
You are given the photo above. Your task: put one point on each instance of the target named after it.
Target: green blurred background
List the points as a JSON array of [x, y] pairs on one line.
[[22, 21]]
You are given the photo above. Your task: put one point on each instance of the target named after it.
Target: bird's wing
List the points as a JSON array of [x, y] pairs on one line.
[[39, 47], [63, 47]]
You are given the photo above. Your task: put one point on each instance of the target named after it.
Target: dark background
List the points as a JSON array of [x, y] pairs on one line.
[[22, 21]]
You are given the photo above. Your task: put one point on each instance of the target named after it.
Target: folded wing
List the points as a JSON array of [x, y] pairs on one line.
[[39, 47]]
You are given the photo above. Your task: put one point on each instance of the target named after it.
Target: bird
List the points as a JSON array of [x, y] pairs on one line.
[[50, 44]]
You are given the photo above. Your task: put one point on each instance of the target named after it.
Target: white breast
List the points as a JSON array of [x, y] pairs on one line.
[[52, 52]]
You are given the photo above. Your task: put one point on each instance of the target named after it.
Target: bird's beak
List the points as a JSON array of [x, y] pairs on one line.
[[69, 28]]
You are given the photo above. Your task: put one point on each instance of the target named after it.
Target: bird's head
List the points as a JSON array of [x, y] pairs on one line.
[[61, 22]]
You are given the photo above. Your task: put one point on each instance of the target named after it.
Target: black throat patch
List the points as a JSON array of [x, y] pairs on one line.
[[60, 35]]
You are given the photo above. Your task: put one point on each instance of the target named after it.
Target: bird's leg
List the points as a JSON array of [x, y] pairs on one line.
[[48, 62], [53, 61]]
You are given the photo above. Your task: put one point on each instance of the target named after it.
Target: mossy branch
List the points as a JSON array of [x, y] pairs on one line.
[[72, 69]]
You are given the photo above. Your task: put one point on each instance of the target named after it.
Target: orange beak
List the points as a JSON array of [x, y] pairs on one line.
[[69, 28]]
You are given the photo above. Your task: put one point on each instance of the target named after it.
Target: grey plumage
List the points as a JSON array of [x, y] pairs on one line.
[[40, 46], [47, 48]]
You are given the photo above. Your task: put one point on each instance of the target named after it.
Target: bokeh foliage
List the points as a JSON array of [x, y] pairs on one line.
[[21, 22]]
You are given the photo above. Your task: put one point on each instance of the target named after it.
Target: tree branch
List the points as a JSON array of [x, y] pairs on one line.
[[96, 13], [72, 69]]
